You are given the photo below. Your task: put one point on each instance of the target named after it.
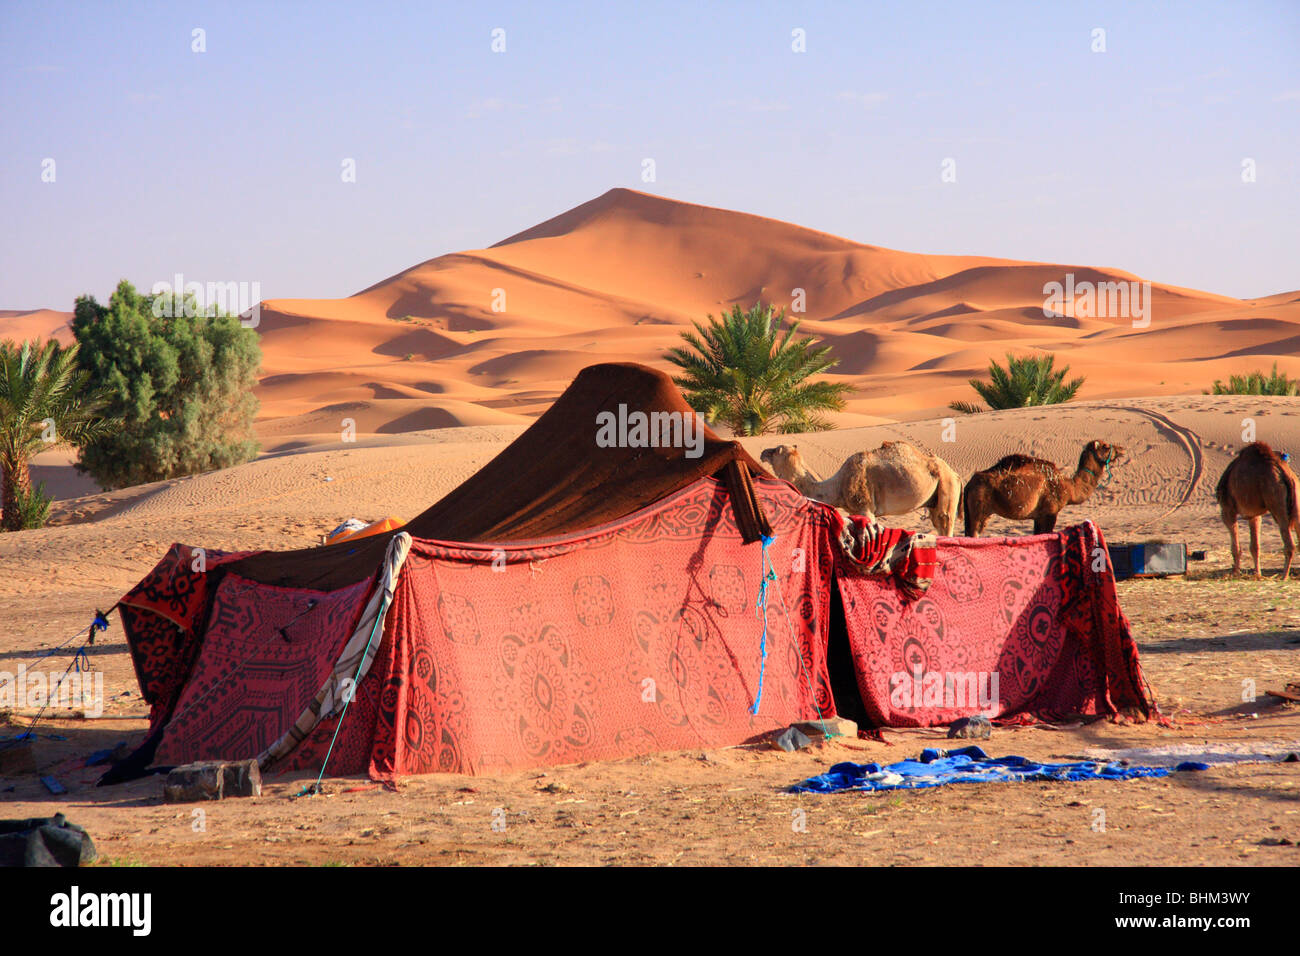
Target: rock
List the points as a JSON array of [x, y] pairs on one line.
[[971, 728], [791, 740], [243, 778], [213, 780], [834, 727]]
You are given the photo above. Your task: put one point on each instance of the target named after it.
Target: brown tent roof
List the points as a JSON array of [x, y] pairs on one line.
[[552, 480]]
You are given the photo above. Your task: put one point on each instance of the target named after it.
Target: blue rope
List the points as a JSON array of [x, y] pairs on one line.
[[314, 788], [803, 668], [767, 573], [100, 623]]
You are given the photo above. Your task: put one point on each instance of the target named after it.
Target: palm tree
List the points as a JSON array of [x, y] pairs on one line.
[[44, 401], [1031, 380], [742, 371]]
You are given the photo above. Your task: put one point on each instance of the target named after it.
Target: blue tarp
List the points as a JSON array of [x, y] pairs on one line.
[[935, 768]]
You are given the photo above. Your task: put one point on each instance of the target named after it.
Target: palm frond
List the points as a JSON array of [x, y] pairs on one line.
[[749, 370]]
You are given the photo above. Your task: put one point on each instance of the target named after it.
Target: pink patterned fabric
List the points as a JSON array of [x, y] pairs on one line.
[[1010, 627], [636, 637]]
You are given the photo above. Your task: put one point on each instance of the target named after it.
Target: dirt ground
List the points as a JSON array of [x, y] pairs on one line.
[[1201, 637], [1206, 641]]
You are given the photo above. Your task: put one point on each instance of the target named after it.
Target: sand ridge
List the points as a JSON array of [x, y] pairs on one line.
[[492, 336]]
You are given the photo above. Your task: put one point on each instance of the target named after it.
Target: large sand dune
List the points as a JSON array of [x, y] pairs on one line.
[[22, 325], [491, 336]]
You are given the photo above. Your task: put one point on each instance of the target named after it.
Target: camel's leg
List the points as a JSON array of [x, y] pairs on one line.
[[1044, 524], [941, 509], [1228, 514], [968, 513], [943, 503], [1254, 541], [1288, 546], [976, 507]]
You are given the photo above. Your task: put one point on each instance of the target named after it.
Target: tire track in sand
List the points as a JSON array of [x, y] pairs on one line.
[[1191, 444]]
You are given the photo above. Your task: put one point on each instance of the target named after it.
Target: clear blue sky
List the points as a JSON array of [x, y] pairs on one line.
[[225, 165]]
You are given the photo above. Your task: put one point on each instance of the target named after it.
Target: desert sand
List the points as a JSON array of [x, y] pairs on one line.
[[1200, 637], [438, 383]]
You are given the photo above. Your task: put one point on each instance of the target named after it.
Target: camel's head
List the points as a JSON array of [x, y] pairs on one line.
[[1103, 452], [784, 460]]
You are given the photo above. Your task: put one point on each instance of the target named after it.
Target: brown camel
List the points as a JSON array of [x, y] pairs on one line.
[[891, 480], [1255, 483], [1020, 487]]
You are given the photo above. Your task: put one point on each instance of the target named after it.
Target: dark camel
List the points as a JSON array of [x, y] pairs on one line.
[[1020, 487], [1255, 483]]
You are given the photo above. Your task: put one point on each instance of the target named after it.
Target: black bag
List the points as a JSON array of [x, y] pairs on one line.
[[44, 841]]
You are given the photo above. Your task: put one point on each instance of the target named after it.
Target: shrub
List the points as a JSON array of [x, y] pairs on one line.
[[1031, 380], [1256, 383], [178, 379]]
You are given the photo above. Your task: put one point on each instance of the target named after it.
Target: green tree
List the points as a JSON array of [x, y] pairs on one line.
[[1256, 383], [1032, 380], [45, 400], [178, 379], [743, 371]]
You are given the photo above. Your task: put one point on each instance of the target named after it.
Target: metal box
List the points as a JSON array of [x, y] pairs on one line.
[[1148, 559]]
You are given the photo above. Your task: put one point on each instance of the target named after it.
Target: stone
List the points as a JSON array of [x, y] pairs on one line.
[[834, 727], [213, 780], [971, 728], [243, 778], [791, 740]]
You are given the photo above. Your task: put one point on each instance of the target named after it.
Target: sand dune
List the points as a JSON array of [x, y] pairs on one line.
[[23, 325], [491, 336]]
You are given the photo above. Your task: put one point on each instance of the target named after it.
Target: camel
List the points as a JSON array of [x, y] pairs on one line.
[[1021, 487], [1255, 483], [891, 480]]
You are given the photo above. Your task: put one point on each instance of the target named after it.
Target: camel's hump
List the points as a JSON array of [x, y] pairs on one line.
[[1012, 462], [1259, 449]]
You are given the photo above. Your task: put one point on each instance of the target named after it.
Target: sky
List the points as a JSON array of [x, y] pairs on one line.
[[1167, 145]]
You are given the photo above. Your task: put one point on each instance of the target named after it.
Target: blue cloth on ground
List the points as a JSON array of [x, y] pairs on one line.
[[966, 765]]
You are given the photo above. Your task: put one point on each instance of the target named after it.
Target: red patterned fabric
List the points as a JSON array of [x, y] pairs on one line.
[[876, 549], [160, 617], [1026, 623], [266, 651], [638, 636]]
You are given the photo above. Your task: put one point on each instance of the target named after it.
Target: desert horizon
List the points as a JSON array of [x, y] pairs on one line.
[[492, 336]]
